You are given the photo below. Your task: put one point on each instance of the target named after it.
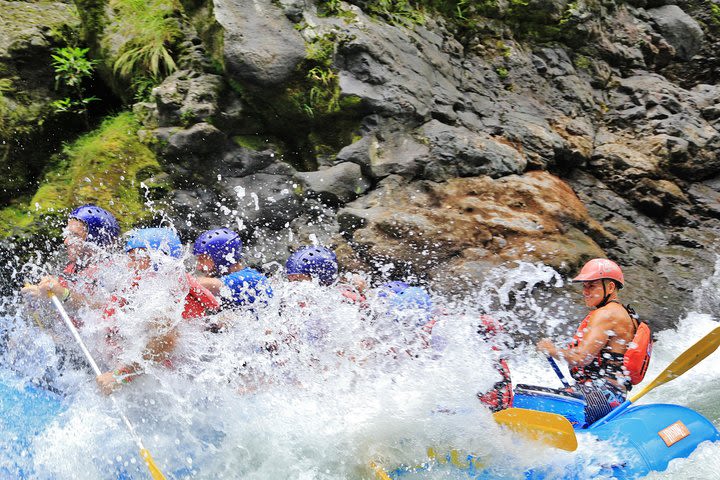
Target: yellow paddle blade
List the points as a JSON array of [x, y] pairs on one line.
[[154, 470], [549, 428], [689, 358], [380, 474]]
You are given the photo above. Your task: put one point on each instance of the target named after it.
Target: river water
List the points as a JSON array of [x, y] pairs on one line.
[[311, 387]]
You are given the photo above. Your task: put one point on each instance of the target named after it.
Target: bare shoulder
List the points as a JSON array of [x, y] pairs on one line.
[[610, 315]]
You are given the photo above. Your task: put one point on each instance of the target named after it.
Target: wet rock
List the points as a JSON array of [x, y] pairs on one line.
[[240, 162], [262, 201], [187, 97], [335, 185], [200, 139], [458, 152], [29, 31], [421, 225], [260, 44], [679, 29]]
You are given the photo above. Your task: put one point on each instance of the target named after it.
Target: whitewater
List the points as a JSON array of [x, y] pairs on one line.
[[308, 386]]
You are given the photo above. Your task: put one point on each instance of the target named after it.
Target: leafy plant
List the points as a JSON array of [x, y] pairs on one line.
[[715, 13], [329, 7], [152, 30], [324, 94], [397, 12], [72, 69]]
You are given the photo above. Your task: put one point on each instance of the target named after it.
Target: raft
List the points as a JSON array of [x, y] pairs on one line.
[[648, 436], [25, 412]]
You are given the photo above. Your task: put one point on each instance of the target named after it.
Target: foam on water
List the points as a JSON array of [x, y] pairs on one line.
[[311, 387]]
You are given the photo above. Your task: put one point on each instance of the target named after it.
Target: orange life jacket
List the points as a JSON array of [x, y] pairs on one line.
[[632, 365], [637, 356]]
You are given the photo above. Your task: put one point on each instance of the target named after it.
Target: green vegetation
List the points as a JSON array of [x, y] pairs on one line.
[[468, 17], [714, 12], [251, 142], [150, 31], [318, 92], [583, 63], [397, 12], [105, 167], [72, 69]]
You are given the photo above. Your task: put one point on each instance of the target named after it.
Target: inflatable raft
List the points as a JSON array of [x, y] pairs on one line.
[[647, 436], [25, 412]]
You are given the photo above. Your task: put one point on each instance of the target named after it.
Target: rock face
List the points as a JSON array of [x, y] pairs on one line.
[[440, 227], [468, 156], [553, 132], [28, 33]]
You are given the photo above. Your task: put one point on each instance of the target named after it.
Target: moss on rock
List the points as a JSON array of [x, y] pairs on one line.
[[105, 167]]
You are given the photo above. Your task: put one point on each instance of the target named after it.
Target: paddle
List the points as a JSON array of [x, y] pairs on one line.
[[555, 367], [688, 359], [550, 428], [144, 453]]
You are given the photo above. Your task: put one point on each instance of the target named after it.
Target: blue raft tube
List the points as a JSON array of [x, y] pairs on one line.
[[650, 436]]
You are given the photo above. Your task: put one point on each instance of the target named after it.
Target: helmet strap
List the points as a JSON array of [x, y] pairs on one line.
[[606, 296]]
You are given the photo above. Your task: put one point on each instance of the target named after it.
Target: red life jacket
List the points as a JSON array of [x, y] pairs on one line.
[[199, 300], [351, 295], [500, 396]]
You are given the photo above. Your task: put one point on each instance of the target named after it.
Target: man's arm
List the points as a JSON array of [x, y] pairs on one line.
[[594, 339], [158, 350]]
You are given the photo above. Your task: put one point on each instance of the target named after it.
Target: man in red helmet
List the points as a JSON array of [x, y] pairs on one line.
[[597, 351]]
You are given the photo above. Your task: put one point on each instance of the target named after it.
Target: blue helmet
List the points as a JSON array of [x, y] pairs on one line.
[[394, 287], [222, 245], [101, 225], [415, 301], [318, 262], [163, 240], [248, 285]]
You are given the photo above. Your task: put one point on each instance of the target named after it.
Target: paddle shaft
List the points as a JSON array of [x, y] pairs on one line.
[[155, 472], [555, 367]]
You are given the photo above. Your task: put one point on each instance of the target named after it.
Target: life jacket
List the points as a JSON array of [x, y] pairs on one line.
[[500, 396], [351, 295], [199, 300], [81, 279], [629, 368], [637, 357]]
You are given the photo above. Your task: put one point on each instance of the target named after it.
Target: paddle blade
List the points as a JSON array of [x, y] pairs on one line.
[[689, 358], [549, 428], [380, 474], [154, 470]]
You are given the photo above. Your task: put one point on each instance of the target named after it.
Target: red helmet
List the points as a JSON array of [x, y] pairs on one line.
[[599, 268]]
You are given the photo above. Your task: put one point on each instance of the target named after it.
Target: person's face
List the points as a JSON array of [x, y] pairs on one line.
[[593, 292], [205, 264], [299, 277], [74, 236], [138, 259]]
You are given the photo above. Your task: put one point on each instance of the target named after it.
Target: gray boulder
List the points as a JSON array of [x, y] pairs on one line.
[[260, 44], [338, 184], [679, 29], [187, 97], [459, 152], [262, 201], [383, 155]]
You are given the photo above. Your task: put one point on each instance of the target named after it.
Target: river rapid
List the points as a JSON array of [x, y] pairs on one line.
[[308, 386]]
